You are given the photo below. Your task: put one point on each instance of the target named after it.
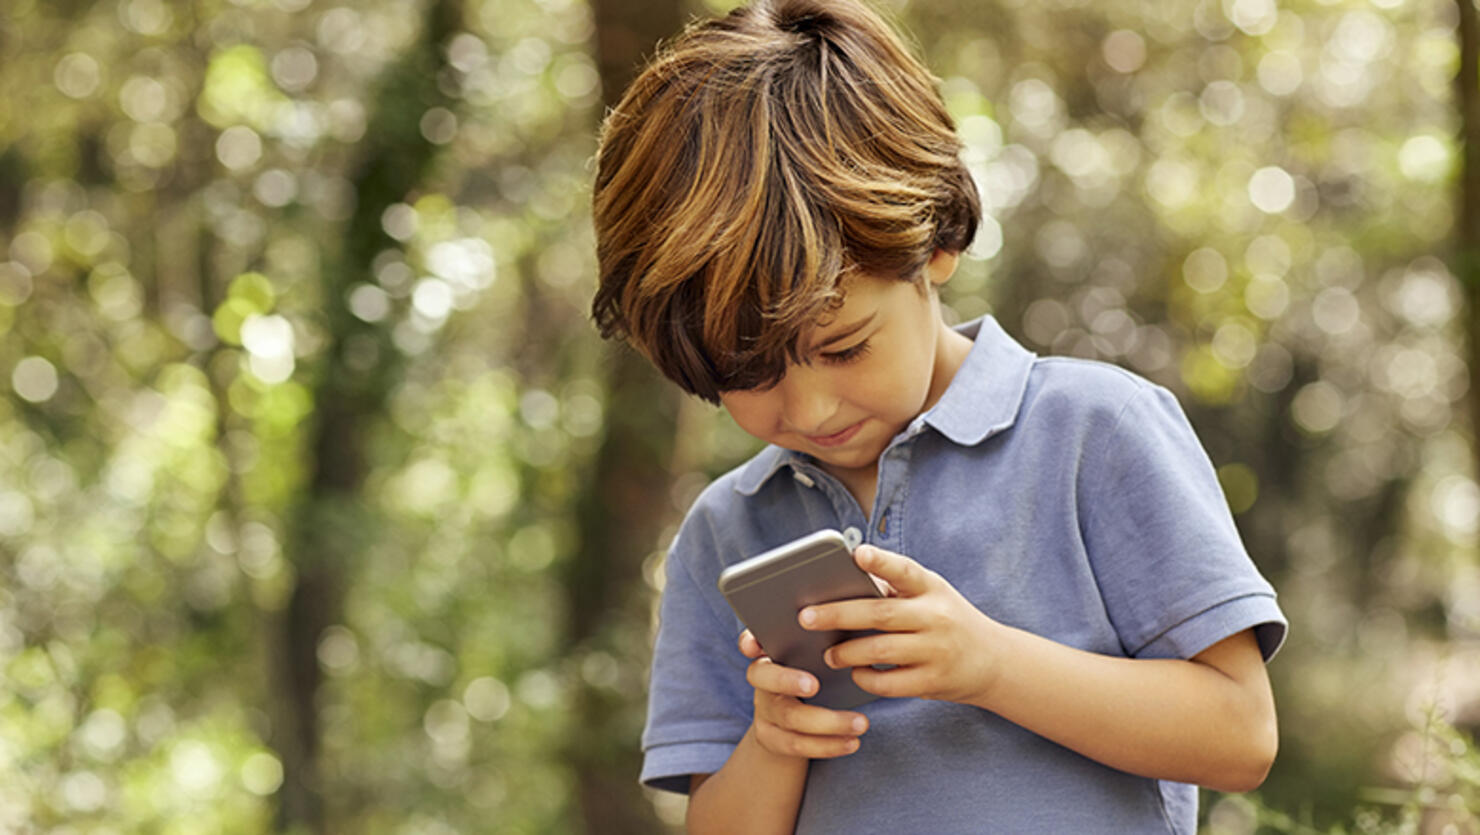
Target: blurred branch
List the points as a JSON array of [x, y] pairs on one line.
[[12, 173]]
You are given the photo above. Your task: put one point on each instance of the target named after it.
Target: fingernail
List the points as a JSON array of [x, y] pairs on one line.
[[806, 685], [808, 617], [860, 724], [827, 658]]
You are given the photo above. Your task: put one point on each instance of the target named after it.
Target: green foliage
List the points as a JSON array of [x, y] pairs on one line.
[[184, 177], [1443, 795]]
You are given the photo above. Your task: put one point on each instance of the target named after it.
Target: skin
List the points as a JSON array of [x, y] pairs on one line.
[[879, 361]]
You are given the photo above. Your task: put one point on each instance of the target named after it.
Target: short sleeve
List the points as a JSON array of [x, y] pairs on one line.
[[699, 705], [1172, 570]]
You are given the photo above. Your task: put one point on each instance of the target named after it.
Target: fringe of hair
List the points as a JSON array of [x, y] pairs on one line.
[[757, 162]]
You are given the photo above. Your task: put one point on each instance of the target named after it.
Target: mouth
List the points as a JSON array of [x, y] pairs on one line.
[[836, 438]]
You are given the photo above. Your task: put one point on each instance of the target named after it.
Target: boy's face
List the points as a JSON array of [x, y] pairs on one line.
[[871, 366]]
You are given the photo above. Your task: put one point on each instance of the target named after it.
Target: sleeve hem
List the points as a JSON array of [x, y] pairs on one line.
[[1230, 617], [669, 767]]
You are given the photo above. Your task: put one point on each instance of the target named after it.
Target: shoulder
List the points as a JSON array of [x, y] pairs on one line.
[[728, 519], [1102, 413], [1079, 389], [719, 503]]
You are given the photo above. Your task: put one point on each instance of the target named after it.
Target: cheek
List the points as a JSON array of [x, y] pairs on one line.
[[890, 390], [749, 413]]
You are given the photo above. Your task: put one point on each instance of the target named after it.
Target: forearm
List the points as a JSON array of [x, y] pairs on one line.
[[1168, 719], [755, 792]]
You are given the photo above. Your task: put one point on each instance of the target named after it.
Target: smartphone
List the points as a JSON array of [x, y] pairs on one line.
[[768, 590]]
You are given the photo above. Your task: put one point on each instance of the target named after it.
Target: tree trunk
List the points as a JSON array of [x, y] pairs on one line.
[[328, 528], [1466, 262], [626, 500]]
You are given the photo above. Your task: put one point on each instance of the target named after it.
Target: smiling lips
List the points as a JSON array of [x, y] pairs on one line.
[[836, 438]]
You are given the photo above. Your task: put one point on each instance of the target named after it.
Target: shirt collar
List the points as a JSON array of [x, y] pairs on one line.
[[763, 466], [982, 400], [984, 396]]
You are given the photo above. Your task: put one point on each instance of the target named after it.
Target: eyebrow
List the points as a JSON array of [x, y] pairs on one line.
[[845, 333]]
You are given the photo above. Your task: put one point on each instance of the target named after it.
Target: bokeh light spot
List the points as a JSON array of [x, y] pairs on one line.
[[487, 699], [34, 379], [1240, 486], [1317, 407], [1124, 51], [239, 147], [1425, 158], [262, 774], [1205, 270], [1271, 189], [78, 75]]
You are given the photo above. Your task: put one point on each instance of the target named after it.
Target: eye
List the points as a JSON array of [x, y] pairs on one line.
[[850, 354]]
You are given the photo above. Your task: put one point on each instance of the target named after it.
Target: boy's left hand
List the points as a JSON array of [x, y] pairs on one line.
[[939, 643]]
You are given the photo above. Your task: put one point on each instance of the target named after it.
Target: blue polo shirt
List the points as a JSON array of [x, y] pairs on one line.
[[1065, 497]]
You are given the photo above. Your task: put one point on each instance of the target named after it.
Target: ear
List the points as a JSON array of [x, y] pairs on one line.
[[941, 266]]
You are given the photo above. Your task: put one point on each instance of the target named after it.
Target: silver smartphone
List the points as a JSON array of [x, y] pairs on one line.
[[768, 590]]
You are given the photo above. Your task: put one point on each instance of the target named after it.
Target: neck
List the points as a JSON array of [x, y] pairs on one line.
[[861, 482], [951, 349]]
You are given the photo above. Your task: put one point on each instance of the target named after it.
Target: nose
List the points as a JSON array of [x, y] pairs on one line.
[[807, 405]]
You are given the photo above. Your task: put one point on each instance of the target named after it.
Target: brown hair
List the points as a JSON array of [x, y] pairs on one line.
[[759, 160]]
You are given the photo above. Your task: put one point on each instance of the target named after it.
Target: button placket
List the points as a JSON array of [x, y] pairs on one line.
[[849, 515], [888, 502]]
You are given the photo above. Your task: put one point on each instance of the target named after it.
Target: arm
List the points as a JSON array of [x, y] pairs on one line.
[[755, 791], [1209, 720], [759, 788]]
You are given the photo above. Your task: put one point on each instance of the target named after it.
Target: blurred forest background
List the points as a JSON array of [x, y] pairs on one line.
[[322, 508]]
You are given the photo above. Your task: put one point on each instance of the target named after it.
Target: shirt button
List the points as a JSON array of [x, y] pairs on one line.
[[853, 537]]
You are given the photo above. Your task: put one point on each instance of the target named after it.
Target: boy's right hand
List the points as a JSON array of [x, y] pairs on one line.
[[786, 726]]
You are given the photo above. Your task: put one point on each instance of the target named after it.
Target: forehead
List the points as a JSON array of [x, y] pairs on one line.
[[859, 296], [864, 307]]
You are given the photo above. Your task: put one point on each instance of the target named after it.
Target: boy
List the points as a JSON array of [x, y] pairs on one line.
[[1074, 629]]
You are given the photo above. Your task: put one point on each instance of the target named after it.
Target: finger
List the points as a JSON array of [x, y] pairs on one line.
[[798, 717], [749, 646], [789, 744], [886, 614], [906, 576], [895, 648], [899, 682], [768, 676]]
